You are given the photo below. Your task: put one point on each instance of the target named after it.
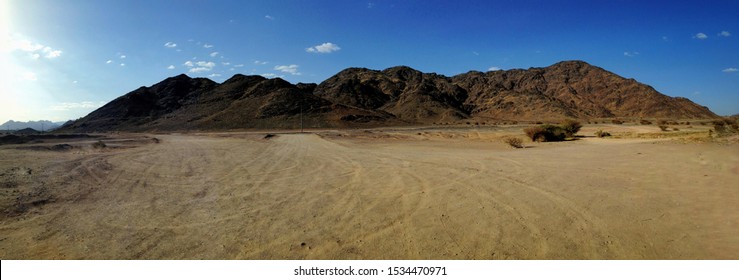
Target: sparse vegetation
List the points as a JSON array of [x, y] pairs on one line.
[[617, 121], [601, 134], [571, 127], [99, 144], [725, 127], [514, 142], [644, 122], [545, 133], [662, 127]]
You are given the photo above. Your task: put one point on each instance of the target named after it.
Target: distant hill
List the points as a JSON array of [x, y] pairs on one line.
[[359, 97], [37, 125]]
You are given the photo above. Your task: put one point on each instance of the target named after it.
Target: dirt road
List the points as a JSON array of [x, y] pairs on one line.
[[302, 196]]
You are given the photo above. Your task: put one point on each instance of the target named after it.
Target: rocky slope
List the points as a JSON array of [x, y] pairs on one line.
[[357, 97]]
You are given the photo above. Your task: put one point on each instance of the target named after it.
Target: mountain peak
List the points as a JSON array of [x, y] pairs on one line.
[[396, 95]]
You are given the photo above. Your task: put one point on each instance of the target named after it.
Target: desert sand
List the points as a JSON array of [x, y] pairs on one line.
[[417, 193]]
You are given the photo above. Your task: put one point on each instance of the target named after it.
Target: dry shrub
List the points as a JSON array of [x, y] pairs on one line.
[[545, 133], [617, 121], [601, 134], [571, 127], [99, 144], [662, 127], [513, 142], [645, 122]]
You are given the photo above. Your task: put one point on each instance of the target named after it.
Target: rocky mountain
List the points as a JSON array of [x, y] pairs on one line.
[[42, 125], [357, 97]]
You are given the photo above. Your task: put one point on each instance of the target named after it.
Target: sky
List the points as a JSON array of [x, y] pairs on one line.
[[61, 59]]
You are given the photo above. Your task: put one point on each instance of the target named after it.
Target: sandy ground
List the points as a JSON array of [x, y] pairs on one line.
[[402, 194]]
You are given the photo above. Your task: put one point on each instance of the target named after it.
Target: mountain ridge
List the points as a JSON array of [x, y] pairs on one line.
[[400, 95]]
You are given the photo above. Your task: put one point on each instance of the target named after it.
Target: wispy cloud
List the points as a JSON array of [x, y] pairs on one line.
[[494, 68], [238, 65], [701, 36], [207, 46], [170, 45], [730, 70], [327, 47], [214, 75], [123, 56], [724, 34], [631, 54], [271, 75], [370, 5], [50, 53], [225, 63], [34, 50], [258, 62], [291, 69], [269, 17], [200, 66], [65, 106], [665, 38], [213, 54], [123, 64], [170, 67], [109, 61]]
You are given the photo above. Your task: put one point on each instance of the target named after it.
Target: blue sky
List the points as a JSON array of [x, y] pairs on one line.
[[61, 59]]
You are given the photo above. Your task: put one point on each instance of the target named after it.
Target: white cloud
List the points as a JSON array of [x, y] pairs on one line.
[[214, 75], [269, 17], [64, 106], [260, 62], [109, 61], [199, 69], [123, 64], [664, 38], [324, 48], [170, 67], [170, 45], [292, 69], [271, 75], [631, 54], [239, 65], [494, 68], [207, 46], [74, 82], [730, 70], [123, 56], [225, 63], [26, 46], [213, 54], [53, 54], [701, 36], [724, 34], [476, 53], [208, 64], [370, 5], [34, 50], [202, 66]]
